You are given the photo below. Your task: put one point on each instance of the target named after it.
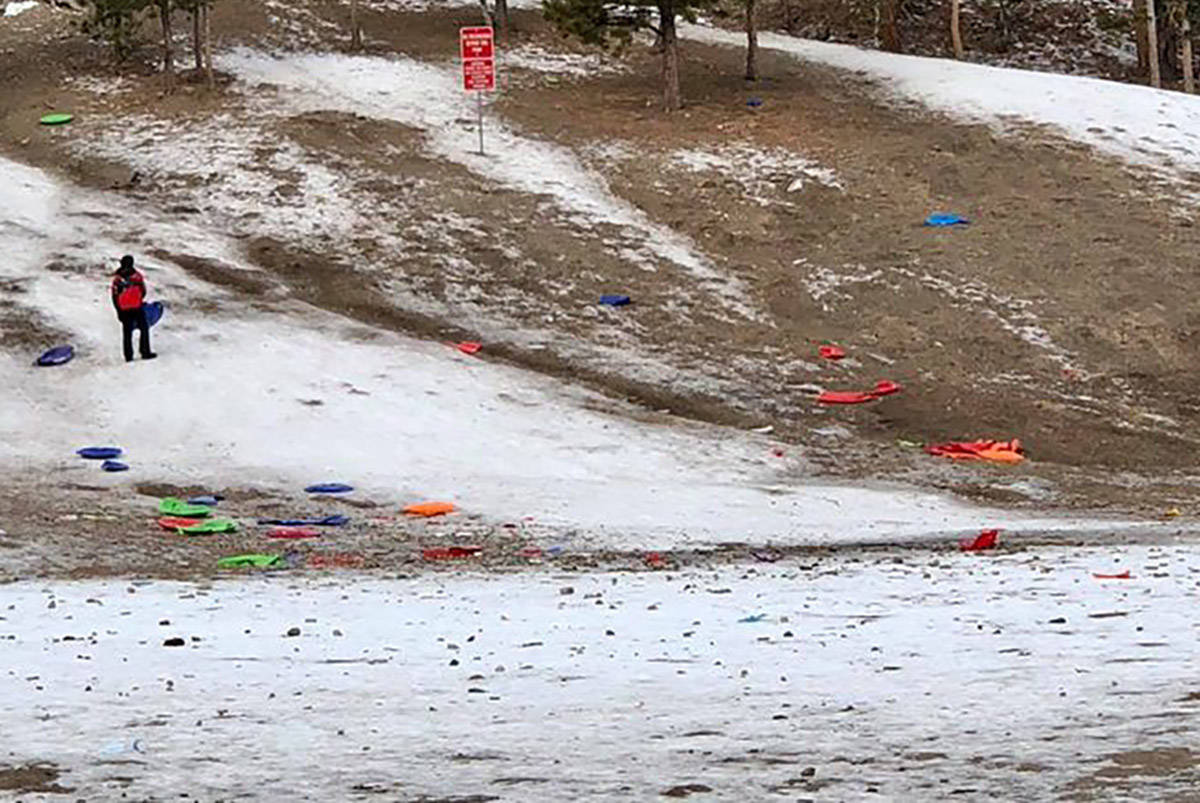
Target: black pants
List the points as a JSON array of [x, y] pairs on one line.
[[130, 320]]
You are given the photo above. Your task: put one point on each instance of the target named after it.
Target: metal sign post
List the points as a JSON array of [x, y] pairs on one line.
[[477, 47]]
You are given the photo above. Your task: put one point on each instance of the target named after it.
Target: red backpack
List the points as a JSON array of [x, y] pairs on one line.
[[129, 291]]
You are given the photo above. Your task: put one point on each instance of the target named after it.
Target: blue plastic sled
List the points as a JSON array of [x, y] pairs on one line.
[[114, 465], [336, 520], [210, 500], [98, 452], [58, 355], [329, 488], [154, 312], [945, 219], [614, 300]]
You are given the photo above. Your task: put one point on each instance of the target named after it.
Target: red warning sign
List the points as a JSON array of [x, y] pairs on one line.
[[478, 49]]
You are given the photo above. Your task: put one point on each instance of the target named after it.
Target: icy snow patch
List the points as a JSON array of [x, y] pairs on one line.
[[1015, 315], [262, 177], [1141, 125], [763, 172], [19, 7], [429, 97], [576, 65]]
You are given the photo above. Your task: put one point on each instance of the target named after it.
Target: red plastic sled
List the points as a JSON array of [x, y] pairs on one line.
[[174, 523], [293, 532], [985, 540]]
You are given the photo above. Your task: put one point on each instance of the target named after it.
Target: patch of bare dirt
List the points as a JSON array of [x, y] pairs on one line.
[[31, 779]]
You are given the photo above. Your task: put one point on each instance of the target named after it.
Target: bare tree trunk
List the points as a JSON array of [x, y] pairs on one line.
[[1152, 44], [890, 34], [208, 70], [197, 38], [1185, 56], [751, 43], [956, 29], [164, 16], [488, 19], [1177, 13], [502, 19], [355, 30], [670, 54], [1141, 36]]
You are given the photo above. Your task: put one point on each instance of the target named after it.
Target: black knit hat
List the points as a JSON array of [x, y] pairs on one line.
[[127, 262]]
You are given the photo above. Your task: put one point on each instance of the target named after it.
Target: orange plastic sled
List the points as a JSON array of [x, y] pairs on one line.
[[995, 451], [429, 509]]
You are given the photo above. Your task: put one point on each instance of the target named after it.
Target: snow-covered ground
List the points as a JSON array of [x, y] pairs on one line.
[[229, 402], [18, 7], [910, 678], [1144, 126], [428, 97]]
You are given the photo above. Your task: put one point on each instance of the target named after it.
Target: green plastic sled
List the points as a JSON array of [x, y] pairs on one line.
[[210, 526], [258, 561], [172, 506]]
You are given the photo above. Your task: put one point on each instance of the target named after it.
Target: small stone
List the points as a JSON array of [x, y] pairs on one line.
[[808, 772], [292, 631], [683, 790], [337, 632], [164, 622], [174, 642], [453, 662], [566, 590], [1061, 620]]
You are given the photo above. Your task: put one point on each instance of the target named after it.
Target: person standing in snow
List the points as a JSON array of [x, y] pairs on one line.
[[128, 296]]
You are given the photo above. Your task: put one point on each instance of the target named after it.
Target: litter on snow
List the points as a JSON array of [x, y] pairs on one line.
[[209, 500], [831, 352], [985, 540], [450, 552], [615, 300], [329, 488], [1125, 575], [994, 451], [114, 465], [56, 119], [942, 219], [468, 347], [752, 619], [428, 509], [754, 103]]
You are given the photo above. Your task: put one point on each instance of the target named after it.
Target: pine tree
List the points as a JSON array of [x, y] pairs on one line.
[[607, 23]]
